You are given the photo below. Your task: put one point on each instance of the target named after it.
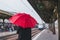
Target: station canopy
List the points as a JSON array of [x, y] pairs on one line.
[[45, 8], [5, 14]]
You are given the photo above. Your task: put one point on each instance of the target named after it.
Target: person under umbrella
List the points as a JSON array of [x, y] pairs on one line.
[[25, 22]]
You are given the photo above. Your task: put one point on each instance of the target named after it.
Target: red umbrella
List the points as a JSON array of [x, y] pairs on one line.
[[23, 20]]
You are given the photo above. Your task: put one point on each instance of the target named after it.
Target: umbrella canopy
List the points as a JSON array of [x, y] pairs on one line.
[[23, 20]]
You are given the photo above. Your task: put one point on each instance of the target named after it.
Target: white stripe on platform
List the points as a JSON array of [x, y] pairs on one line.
[[35, 38]]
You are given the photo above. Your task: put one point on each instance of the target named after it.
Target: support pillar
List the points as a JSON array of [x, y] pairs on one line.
[[58, 16], [53, 25], [3, 22], [59, 27], [50, 27]]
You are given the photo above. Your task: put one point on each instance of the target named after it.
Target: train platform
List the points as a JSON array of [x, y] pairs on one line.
[[3, 34], [46, 35], [42, 35]]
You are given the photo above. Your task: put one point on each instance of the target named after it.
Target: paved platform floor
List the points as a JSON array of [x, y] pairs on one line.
[[47, 35]]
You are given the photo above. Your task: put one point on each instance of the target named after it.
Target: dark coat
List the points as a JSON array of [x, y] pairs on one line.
[[24, 34], [19, 30]]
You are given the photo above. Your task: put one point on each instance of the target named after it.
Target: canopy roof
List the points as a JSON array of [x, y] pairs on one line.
[[5, 14], [45, 8]]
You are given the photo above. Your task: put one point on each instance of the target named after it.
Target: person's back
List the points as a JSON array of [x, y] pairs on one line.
[[19, 32], [24, 34]]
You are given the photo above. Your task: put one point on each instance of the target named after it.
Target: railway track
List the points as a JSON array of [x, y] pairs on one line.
[[14, 37]]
